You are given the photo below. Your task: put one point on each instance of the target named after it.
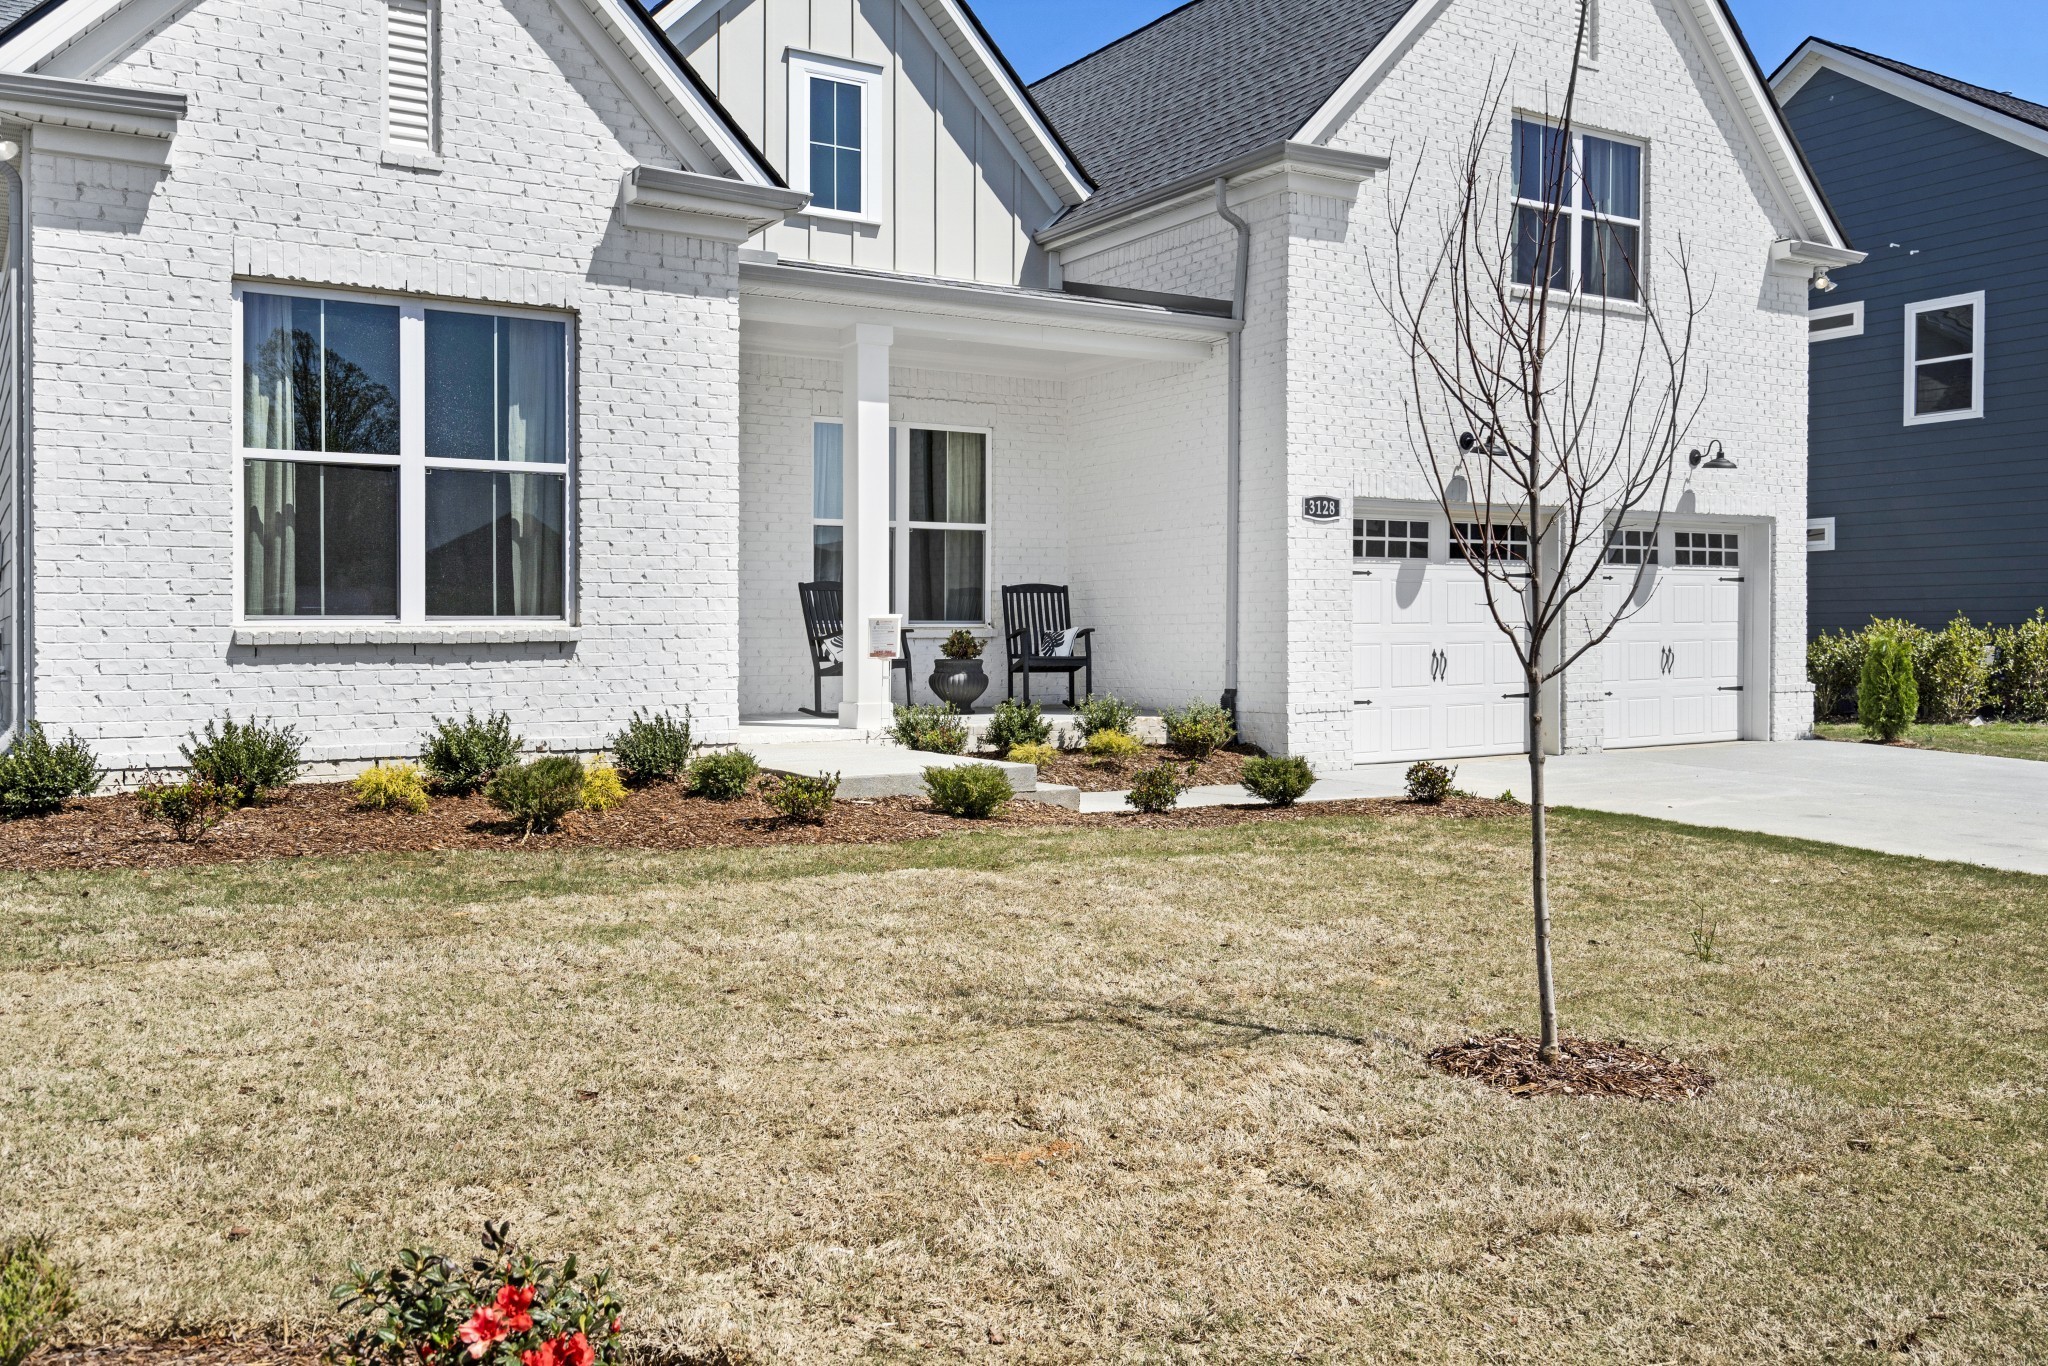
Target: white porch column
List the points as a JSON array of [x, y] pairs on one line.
[[864, 695]]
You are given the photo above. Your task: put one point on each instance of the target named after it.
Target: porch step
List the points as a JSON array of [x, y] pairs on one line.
[[875, 770]]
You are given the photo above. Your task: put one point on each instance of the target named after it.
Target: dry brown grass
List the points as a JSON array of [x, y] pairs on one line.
[[1069, 1096]]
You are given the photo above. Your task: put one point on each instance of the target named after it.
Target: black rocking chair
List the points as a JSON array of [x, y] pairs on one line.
[[823, 628], [1032, 614]]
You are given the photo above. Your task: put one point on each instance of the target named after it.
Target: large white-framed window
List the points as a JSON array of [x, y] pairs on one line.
[[939, 556], [1835, 322], [1945, 359], [1594, 184], [833, 134], [401, 460]]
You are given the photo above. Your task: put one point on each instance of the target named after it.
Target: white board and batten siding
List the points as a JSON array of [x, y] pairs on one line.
[[952, 198]]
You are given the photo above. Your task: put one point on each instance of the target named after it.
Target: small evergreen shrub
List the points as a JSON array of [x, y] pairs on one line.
[[1105, 713], [1834, 664], [2019, 676], [1199, 729], [602, 787], [35, 1296], [245, 760], [503, 1308], [1953, 672], [462, 756], [1038, 756], [1430, 783], [799, 798], [1155, 790], [1278, 782], [963, 644], [398, 787], [1114, 744], [538, 794], [929, 730], [1015, 723], [1887, 696], [653, 749], [724, 776], [972, 792], [37, 777], [190, 807]]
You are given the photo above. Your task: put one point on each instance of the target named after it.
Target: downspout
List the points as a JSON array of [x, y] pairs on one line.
[[1233, 492], [16, 607]]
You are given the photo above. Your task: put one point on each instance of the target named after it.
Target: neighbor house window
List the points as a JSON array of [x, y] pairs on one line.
[[1834, 322], [830, 122], [402, 462], [941, 551], [1578, 212], [1945, 359]]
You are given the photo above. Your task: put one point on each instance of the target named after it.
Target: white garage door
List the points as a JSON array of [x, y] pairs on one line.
[[1434, 676], [1674, 668]]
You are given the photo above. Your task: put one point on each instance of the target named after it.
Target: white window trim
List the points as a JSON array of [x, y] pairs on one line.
[[1825, 539], [899, 544], [1572, 210], [411, 463], [803, 67], [1976, 358], [1853, 312]]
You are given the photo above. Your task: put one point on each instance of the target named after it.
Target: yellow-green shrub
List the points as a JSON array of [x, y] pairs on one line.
[[1114, 744], [398, 787], [1038, 756], [602, 788]]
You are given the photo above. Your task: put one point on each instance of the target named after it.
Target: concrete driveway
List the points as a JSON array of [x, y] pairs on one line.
[[1925, 803]]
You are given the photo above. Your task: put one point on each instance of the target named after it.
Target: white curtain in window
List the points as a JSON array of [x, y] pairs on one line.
[[271, 548], [966, 497], [535, 421], [267, 366], [535, 555]]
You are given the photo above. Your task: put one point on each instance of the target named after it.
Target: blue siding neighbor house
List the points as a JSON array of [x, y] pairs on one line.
[[1929, 423]]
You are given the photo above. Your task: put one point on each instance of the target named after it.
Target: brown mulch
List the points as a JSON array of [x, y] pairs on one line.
[[1588, 1067], [316, 819], [185, 1352], [1076, 769]]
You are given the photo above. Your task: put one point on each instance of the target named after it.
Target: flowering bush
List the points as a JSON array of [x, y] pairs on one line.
[[507, 1309]]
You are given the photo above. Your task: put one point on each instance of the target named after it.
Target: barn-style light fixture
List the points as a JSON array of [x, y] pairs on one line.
[[1712, 458]]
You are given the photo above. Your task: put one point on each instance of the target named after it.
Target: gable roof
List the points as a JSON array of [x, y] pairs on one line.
[[31, 31], [1998, 112], [1204, 85]]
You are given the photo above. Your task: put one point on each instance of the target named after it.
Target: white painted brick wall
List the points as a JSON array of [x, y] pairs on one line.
[[276, 173]]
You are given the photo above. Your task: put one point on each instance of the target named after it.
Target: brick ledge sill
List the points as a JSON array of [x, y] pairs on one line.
[[525, 633]]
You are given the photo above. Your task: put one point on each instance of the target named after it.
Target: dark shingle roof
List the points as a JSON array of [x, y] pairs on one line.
[[1208, 82], [2026, 111], [13, 11]]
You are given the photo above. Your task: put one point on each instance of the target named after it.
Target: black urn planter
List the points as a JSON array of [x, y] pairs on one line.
[[959, 682]]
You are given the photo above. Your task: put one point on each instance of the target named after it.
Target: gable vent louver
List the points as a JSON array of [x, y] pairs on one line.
[[409, 121]]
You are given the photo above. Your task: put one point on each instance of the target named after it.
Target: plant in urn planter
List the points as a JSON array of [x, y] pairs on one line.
[[957, 675]]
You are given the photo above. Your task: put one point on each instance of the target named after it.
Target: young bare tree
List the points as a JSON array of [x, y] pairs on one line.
[[1543, 416]]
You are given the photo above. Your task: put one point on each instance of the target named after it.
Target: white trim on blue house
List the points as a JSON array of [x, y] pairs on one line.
[[1976, 357], [1815, 56]]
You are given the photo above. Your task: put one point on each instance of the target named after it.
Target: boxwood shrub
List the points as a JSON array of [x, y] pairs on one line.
[[1278, 782], [971, 791], [37, 777]]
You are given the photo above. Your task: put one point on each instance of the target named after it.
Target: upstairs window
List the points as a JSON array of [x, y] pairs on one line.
[[1594, 187], [411, 117], [1945, 359], [830, 122]]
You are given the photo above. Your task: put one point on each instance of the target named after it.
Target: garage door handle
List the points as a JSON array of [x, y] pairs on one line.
[[1737, 579], [1736, 688], [1514, 694], [1366, 703]]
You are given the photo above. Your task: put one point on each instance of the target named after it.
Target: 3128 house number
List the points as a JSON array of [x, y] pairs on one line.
[[1322, 509]]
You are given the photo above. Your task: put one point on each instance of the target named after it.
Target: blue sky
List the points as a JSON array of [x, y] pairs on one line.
[[2002, 44]]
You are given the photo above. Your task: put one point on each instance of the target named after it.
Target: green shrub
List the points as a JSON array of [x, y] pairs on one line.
[[653, 749], [1887, 696], [602, 787], [971, 791], [1199, 729], [462, 756], [1038, 756], [35, 1296], [396, 788], [1953, 672], [1834, 663], [538, 794], [1105, 713], [1278, 782], [37, 777], [1430, 783], [2019, 675], [929, 730], [190, 807], [1015, 723], [1155, 790], [799, 798], [245, 760], [963, 644], [1114, 744], [724, 776]]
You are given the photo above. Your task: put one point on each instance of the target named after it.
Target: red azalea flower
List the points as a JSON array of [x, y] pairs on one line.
[[512, 1303], [575, 1350], [543, 1355], [485, 1327], [617, 1324]]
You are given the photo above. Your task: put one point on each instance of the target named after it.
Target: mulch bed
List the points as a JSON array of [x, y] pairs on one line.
[[316, 819], [1588, 1067], [1075, 769]]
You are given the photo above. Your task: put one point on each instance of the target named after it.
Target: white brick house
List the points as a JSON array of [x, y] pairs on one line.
[[375, 359]]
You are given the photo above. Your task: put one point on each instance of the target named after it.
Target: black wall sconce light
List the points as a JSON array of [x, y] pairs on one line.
[[1712, 458]]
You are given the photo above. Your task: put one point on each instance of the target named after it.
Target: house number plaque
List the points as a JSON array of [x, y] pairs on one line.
[[1322, 509]]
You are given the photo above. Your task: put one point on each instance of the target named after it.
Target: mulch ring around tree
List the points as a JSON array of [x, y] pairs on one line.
[[1074, 768], [318, 819], [1587, 1067]]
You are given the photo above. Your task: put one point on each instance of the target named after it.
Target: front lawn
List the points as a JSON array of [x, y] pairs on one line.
[[2005, 739], [1056, 1094]]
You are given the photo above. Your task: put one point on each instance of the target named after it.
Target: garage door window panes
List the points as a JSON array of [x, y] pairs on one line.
[[1708, 549], [1381, 538], [1500, 541], [1632, 546]]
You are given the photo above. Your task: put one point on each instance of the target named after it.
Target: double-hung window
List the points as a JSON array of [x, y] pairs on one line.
[[402, 461], [1945, 359], [1578, 212], [939, 555], [830, 134]]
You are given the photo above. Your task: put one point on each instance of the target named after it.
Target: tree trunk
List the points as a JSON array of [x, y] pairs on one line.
[[1539, 871]]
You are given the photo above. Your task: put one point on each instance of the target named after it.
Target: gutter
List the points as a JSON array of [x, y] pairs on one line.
[[16, 606], [1233, 478]]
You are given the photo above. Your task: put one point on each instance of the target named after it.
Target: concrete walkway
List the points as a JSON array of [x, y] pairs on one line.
[[1924, 803]]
